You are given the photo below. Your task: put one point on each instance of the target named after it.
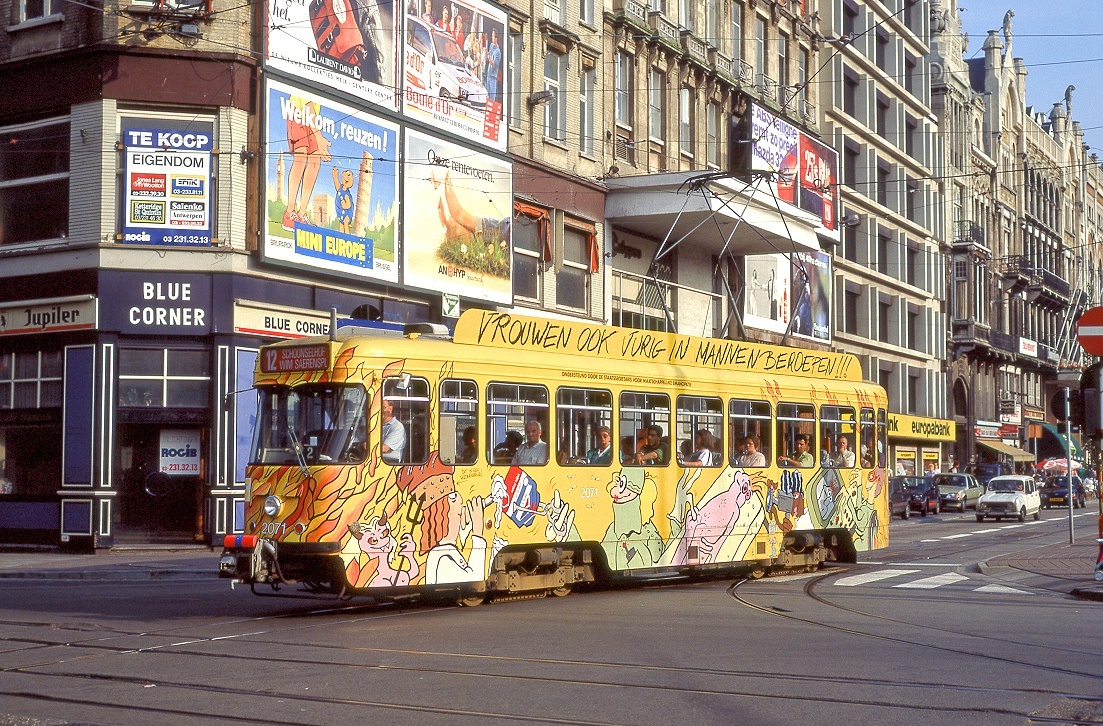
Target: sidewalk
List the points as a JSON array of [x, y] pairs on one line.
[[144, 562], [1065, 567]]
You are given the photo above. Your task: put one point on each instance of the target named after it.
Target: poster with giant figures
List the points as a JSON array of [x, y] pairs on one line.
[[346, 45], [332, 186], [434, 523], [462, 201]]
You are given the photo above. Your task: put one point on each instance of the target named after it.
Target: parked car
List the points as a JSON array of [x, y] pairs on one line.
[[922, 493], [958, 490], [1011, 495], [1055, 492], [899, 498]]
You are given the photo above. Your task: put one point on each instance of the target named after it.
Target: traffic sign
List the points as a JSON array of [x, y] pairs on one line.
[[1089, 331]]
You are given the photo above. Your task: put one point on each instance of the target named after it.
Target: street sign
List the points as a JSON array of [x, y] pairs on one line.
[[449, 305], [1089, 331]]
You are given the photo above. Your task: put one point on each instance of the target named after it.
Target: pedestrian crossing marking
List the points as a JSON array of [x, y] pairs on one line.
[[929, 583], [1001, 590], [863, 579]]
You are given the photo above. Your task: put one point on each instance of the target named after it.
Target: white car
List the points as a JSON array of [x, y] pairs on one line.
[[435, 65], [1009, 496]]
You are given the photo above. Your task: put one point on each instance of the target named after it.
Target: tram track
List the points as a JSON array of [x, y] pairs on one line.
[[802, 685]]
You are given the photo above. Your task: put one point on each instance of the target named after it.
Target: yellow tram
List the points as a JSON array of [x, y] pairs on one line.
[[528, 455]]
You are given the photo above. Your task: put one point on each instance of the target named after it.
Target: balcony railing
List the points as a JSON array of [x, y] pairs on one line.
[[721, 64], [767, 86], [808, 111], [788, 97], [663, 30], [746, 73], [1048, 354], [968, 232], [695, 49], [632, 11], [969, 331], [1003, 341]]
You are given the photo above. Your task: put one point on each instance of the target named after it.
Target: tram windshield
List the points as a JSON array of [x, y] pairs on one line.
[[310, 424]]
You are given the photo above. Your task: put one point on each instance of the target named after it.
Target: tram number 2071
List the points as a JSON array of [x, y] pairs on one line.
[[275, 529]]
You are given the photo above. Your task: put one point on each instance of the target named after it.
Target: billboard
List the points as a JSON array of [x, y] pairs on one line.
[[812, 311], [347, 45], [331, 186], [807, 169], [766, 305], [460, 242], [167, 184], [454, 74]]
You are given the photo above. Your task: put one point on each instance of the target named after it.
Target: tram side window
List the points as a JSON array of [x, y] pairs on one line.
[[584, 419], [796, 435], [645, 429], [839, 428], [404, 434], [699, 424], [459, 429], [517, 423], [867, 450], [749, 421], [882, 438]]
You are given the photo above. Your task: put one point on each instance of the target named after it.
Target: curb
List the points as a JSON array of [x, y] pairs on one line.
[[104, 575]]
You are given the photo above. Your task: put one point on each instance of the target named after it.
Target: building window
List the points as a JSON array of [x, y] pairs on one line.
[[882, 119], [712, 134], [883, 174], [572, 282], [760, 44], [850, 311], [31, 9], [555, 80], [913, 328], [913, 392], [850, 19], [685, 14], [884, 239], [529, 236], [656, 92], [783, 60], [31, 380], [850, 243], [34, 182], [685, 120], [586, 111], [913, 265], [586, 11], [737, 30], [553, 11], [850, 165], [623, 89], [516, 46], [850, 93], [882, 51], [164, 378], [884, 315]]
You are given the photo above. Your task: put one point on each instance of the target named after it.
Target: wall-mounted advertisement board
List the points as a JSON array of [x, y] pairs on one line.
[[331, 186]]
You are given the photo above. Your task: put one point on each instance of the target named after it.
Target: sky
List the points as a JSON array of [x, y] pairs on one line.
[[1060, 42]]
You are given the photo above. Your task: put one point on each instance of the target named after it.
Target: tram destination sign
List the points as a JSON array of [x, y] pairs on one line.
[[295, 359]]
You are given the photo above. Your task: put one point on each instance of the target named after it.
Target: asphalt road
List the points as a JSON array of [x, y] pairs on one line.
[[915, 634]]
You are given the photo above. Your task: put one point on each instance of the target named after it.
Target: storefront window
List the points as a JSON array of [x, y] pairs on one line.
[[31, 379], [158, 377]]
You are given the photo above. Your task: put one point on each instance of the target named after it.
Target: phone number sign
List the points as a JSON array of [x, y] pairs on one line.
[[168, 186]]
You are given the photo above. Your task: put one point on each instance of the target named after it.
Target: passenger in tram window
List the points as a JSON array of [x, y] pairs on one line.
[[393, 438], [602, 454], [801, 457], [563, 453], [844, 457], [534, 451], [470, 446], [702, 453], [627, 450], [505, 450], [657, 449], [752, 457]]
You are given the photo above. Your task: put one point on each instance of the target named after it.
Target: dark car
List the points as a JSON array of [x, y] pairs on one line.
[[899, 498], [986, 470], [1055, 492], [922, 492]]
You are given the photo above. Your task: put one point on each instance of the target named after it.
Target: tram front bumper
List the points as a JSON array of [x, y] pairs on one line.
[[251, 559]]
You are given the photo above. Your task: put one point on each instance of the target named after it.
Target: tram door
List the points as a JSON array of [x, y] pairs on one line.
[[161, 485]]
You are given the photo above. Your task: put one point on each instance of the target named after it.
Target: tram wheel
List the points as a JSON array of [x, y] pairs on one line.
[[757, 573], [471, 601], [561, 591]]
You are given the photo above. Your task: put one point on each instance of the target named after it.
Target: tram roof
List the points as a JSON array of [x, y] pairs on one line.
[[543, 335]]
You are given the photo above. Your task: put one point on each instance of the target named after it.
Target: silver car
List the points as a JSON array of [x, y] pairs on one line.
[[958, 491]]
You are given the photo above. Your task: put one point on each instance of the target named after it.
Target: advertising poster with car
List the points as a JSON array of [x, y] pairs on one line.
[[811, 307], [331, 186], [454, 68], [461, 242], [347, 45], [167, 185], [807, 170], [766, 301]]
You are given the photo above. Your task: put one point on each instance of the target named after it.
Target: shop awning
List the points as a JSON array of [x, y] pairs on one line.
[[999, 447], [1077, 450]]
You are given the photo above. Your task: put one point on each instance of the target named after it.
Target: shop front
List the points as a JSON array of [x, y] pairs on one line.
[[126, 408], [918, 444], [998, 444]]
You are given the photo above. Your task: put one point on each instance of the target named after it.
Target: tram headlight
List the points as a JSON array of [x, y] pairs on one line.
[[272, 505]]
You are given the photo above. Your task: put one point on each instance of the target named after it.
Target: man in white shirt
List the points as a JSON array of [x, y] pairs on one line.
[[533, 451], [844, 457], [393, 440]]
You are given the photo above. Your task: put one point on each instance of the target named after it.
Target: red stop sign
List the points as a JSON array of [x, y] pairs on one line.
[[1089, 331]]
